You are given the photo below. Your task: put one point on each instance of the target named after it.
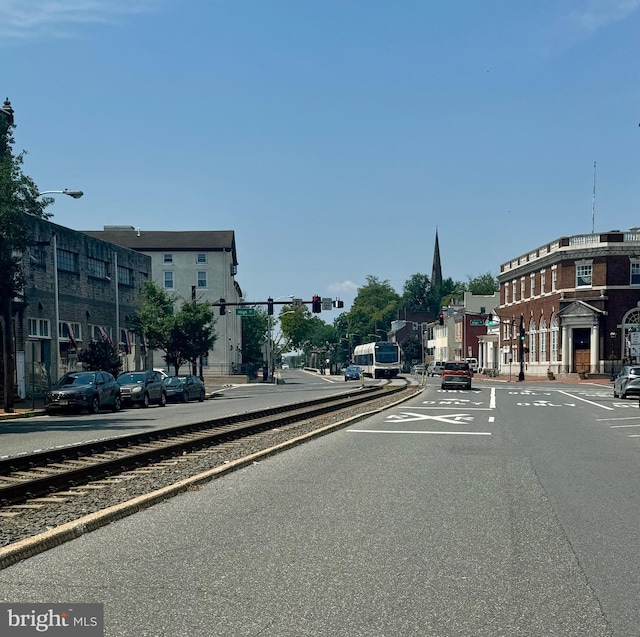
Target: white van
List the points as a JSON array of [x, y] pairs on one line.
[[435, 367], [473, 364]]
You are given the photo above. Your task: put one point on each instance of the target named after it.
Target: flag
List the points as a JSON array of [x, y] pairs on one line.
[[105, 335], [126, 340], [72, 336]]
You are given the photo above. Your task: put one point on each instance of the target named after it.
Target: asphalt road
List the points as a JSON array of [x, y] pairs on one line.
[[510, 510]]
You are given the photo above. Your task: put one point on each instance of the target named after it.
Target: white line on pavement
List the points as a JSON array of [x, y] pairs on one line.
[[492, 400], [585, 400]]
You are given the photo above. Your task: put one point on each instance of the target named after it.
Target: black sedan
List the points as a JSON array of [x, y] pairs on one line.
[[184, 388], [80, 391]]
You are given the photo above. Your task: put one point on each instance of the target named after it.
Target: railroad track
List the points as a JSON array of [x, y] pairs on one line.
[[46, 473]]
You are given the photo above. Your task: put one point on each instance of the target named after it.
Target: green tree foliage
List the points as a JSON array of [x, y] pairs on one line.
[[451, 290], [483, 284], [417, 293], [100, 355], [183, 334], [374, 308], [411, 350], [18, 199], [254, 333]]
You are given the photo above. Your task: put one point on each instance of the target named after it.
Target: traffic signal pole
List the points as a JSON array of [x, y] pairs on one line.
[[521, 348]]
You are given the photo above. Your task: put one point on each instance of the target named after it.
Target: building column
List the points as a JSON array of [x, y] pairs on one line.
[[567, 348], [594, 354]]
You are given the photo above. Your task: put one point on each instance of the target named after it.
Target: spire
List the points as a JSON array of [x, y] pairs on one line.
[[436, 271]]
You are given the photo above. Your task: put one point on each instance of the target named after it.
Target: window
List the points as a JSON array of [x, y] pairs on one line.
[[554, 278], [168, 279], [522, 289], [506, 293], [554, 339], [532, 288], [201, 257], [97, 268], [635, 273], [167, 258], [513, 290], [125, 276], [69, 331], [532, 342], [202, 279], [543, 280], [39, 328], [67, 261], [583, 274], [543, 341]]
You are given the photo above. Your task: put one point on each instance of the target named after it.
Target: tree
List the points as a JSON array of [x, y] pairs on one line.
[[416, 293], [18, 198], [485, 284], [373, 309], [183, 335], [254, 331], [100, 355]]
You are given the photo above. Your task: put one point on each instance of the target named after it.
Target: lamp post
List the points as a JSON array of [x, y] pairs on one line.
[[75, 194], [613, 335]]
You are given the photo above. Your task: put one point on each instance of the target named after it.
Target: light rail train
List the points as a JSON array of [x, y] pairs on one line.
[[378, 360]]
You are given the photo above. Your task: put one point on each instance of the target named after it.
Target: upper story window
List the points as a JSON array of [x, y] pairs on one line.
[[67, 261], [201, 257], [543, 280], [506, 293], [554, 278], [635, 273], [522, 289], [167, 258], [532, 279], [97, 268], [513, 290], [583, 274], [125, 276], [168, 279], [202, 279]]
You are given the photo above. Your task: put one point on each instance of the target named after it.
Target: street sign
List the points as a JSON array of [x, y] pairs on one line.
[[476, 322], [245, 311], [297, 302], [327, 303]]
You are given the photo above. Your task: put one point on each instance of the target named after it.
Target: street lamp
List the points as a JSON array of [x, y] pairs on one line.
[[613, 335], [75, 194]]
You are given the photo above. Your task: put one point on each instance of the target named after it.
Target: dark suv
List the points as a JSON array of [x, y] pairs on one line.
[[456, 374], [142, 388]]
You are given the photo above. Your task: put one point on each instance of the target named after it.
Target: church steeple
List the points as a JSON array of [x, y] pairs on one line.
[[436, 271]]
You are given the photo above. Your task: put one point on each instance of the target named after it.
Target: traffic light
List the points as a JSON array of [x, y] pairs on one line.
[[223, 307], [490, 319], [316, 304], [270, 306], [522, 333], [441, 319]]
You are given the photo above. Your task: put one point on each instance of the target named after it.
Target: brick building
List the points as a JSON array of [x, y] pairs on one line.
[[578, 299]]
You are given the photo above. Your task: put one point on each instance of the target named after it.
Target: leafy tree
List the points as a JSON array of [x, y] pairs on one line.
[[254, 333], [411, 349], [451, 290], [183, 335], [100, 355], [18, 198], [295, 325], [416, 293], [483, 284], [373, 309]]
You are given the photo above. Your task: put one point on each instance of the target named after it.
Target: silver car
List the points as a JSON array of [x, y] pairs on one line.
[[624, 384]]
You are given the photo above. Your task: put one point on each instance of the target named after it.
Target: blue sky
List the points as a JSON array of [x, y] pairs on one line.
[[333, 136]]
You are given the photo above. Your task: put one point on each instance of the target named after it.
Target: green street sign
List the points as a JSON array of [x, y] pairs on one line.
[[477, 322], [245, 311]]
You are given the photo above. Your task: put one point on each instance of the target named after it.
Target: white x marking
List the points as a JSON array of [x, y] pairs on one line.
[[452, 419]]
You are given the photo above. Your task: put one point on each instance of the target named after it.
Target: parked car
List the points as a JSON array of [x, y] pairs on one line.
[[435, 367], [353, 372], [142, 388], [79, 391], [456, 374], [418, 369], [623, 384], [473, 364], [184, 388]]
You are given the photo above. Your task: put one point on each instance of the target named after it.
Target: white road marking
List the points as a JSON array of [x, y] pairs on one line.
[[492, 400], [445, 433], [408, 417], [492, 418], [622, 426], [586, 401]]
